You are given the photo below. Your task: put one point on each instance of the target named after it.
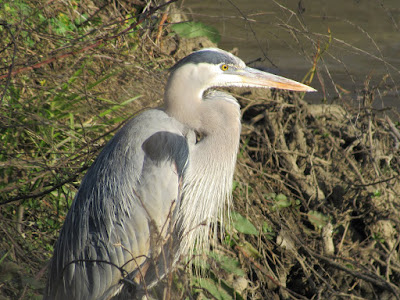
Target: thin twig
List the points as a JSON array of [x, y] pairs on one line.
[[99, 42]]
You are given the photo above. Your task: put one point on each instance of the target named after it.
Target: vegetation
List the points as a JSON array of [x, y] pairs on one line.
[[317, 189]]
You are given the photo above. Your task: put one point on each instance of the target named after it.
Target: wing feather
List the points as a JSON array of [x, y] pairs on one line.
[[125, 200]]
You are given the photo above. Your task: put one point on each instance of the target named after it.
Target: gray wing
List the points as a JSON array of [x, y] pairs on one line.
[[123, 211]]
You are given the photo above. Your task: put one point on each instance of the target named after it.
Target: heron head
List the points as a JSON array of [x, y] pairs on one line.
[[212, 67]]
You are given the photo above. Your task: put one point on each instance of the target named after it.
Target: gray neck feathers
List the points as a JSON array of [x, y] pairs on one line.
[[208, 179]]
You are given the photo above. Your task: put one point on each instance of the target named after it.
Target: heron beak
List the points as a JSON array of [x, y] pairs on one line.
[[256, 78]]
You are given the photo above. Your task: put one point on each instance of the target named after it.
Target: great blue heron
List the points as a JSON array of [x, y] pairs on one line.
[[158, 185]]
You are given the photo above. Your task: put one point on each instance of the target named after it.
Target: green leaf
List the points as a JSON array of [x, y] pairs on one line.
[[118, 106], [227, 263], [201, 264], [3, 257], [196, 29], [281, 201], [249, 250], [243, 225], [235, 184], [213, 288], [268, 231], [318, 219], [377, 193]]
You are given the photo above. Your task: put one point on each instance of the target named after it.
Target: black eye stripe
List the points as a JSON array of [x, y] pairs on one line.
[[207, 56]]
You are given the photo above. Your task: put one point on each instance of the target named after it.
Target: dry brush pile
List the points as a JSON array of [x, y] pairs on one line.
[[322, 184]]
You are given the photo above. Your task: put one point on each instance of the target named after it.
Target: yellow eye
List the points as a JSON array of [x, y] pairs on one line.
[[224, 67]]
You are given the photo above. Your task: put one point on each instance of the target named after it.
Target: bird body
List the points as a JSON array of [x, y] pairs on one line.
[[159, 184], [99, 226]]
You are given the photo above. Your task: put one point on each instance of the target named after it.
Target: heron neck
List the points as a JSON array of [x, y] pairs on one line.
[[208, 178], [183, 103], [215, 115]]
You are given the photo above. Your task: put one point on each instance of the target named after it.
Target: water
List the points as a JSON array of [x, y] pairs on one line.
[[364, 47]]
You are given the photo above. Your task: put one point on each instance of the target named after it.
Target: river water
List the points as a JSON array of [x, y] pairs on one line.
[[359, 41]]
